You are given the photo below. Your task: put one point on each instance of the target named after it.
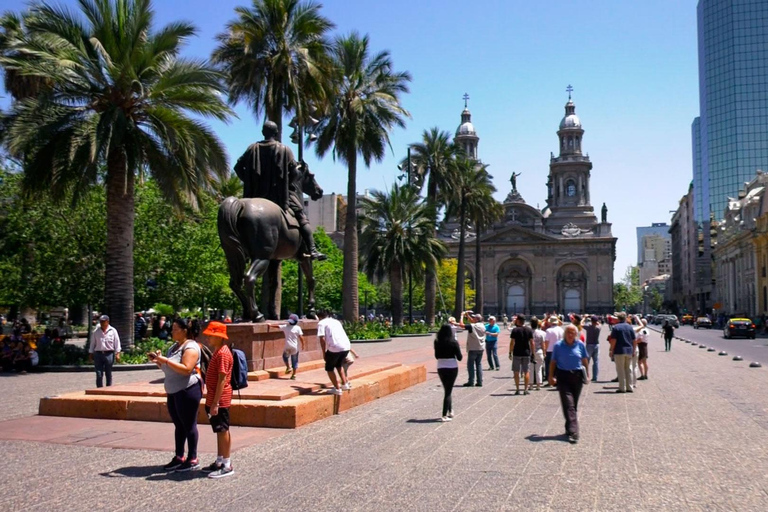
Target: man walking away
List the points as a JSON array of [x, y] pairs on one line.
[[622, 340], [669, 331], [335, 345], [569, 361], [104, 350], [520, 352], [554, 334], [491, 340], [475, 348], [593, 344]]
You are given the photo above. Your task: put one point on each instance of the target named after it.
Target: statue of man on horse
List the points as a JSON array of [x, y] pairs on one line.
[[268, 170], [269, 223]]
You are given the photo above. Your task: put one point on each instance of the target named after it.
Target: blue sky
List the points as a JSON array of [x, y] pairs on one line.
[[633, 66]]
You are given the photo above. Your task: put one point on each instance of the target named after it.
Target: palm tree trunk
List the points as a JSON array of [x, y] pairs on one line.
[[430, 279], [459, 306], [118, 293], [478, 274], [349, 303], [396, 293]]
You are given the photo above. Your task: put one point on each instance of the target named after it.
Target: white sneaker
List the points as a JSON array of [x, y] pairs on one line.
[[346, 387], [445, 419], [450, 414], [336, 391]]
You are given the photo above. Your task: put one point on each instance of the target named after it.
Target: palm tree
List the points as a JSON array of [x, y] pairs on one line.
[[484, 210], [18, 86], [397, 234], [467, 186], [363, 109], [432, 157], [118, 104], [275, 56]]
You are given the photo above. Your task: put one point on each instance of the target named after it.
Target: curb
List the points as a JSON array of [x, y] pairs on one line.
[[71, 368], [371, 341], [422, 335]]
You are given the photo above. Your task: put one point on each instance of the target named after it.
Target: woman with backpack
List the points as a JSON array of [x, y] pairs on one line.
[[184, 388]]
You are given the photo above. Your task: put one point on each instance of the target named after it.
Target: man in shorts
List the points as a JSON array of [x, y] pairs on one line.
[[520, 350], [219, 398], [335, 344]]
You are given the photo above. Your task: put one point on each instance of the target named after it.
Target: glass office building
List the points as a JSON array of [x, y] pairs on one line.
[[730, 136]]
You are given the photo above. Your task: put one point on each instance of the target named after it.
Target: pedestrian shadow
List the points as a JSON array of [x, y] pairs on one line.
[[152, 473], [535, 438], [424, 420], [501, 378], [611, 392]]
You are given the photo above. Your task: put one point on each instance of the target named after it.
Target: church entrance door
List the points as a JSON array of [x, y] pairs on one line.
[[572, 301], [516, 301]]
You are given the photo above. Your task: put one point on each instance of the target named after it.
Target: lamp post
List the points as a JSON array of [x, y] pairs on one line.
[[297, 137], [410, 272]]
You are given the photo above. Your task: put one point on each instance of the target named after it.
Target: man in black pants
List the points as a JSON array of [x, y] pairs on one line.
[[571, 365]]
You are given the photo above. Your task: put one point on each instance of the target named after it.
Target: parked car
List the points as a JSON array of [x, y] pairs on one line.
[[739, 327], [702, 323], [687, 319]]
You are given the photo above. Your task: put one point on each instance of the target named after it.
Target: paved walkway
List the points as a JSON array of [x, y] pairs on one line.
[[693, 437]]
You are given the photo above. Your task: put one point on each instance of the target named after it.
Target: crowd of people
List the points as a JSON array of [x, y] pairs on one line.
[[558, 353], [18, 350]]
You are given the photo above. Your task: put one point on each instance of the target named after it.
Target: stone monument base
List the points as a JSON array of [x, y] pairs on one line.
[[263, 343]]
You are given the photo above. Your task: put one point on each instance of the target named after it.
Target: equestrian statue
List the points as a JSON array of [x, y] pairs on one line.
[[269, 224]]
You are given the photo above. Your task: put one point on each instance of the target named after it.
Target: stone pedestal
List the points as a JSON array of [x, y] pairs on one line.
[[263, 343]]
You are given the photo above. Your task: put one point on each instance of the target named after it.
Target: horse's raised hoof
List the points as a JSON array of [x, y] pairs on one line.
[[258, 318]]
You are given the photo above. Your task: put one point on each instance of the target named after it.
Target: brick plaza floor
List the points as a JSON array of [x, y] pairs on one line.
[[693, 437]]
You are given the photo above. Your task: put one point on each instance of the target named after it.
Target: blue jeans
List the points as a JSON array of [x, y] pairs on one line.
[[103, 362], [592, 353], [493, 355], [294, 360], [475, 364]]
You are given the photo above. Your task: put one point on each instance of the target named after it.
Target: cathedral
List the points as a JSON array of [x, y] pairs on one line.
[[535, 261]]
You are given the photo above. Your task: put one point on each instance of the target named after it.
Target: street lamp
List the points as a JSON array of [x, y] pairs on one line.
[[407, 174], [297, 137]]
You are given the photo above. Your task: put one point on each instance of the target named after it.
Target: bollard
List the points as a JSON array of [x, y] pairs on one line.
[[710, 349], [702, 346], [755, 364], [693, 343], [723, 353], [738, 358]]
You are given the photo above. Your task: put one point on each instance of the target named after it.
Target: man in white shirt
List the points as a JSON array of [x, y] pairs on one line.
[[104, 350], [554, 334], [335, 344]]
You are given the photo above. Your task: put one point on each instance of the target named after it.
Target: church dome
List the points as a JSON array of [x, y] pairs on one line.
[[571, 120], [466, 127]]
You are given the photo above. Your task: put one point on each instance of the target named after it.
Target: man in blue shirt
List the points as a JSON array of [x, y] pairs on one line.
[[623, 341], [569, 362], [491, 340]]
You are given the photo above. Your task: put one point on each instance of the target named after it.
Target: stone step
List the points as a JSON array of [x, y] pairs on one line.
[[286, 407]]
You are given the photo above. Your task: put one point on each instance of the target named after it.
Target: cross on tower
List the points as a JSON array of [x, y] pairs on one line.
[[569, 89], [465, 98]]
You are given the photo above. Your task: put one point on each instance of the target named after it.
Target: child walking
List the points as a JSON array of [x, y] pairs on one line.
[[294, 342], [219, 398]]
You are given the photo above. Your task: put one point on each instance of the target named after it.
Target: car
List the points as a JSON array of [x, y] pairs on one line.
[[687, 319], [672, 319], [702, 323], [739, 327]]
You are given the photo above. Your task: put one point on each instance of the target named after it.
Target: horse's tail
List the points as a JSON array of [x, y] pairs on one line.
[[229, 213]]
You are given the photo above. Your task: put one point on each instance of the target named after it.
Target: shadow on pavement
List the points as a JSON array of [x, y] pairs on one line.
[[535, 438], [152, 473], [425, 420]]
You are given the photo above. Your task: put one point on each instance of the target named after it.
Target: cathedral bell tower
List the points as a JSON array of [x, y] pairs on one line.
[[569, 172], [466, 137]]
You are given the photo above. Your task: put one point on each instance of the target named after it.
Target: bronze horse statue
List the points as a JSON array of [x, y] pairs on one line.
[[256, 234]]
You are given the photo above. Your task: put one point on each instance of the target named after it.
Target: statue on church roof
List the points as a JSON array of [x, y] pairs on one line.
[[604, 214], [513, 180]]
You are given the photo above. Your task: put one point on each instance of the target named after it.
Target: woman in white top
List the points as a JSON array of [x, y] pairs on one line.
[[539, 346], [642, 349]]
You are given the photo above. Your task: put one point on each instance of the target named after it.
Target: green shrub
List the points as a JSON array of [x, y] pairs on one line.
[[414, 328], [366, 331], [138, 353], [56, 355]]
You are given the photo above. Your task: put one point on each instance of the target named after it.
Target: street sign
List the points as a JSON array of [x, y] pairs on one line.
[[717, 305]]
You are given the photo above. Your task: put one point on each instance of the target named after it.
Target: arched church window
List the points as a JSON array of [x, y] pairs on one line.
[[570, 188], [570, 142]]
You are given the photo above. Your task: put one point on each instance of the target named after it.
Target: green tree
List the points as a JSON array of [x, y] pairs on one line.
[[397, 234], [118, 105], [275, 56], [484, 210], [468, 185], [431, 159], [656, 299], [628, 293], [363, 107]]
